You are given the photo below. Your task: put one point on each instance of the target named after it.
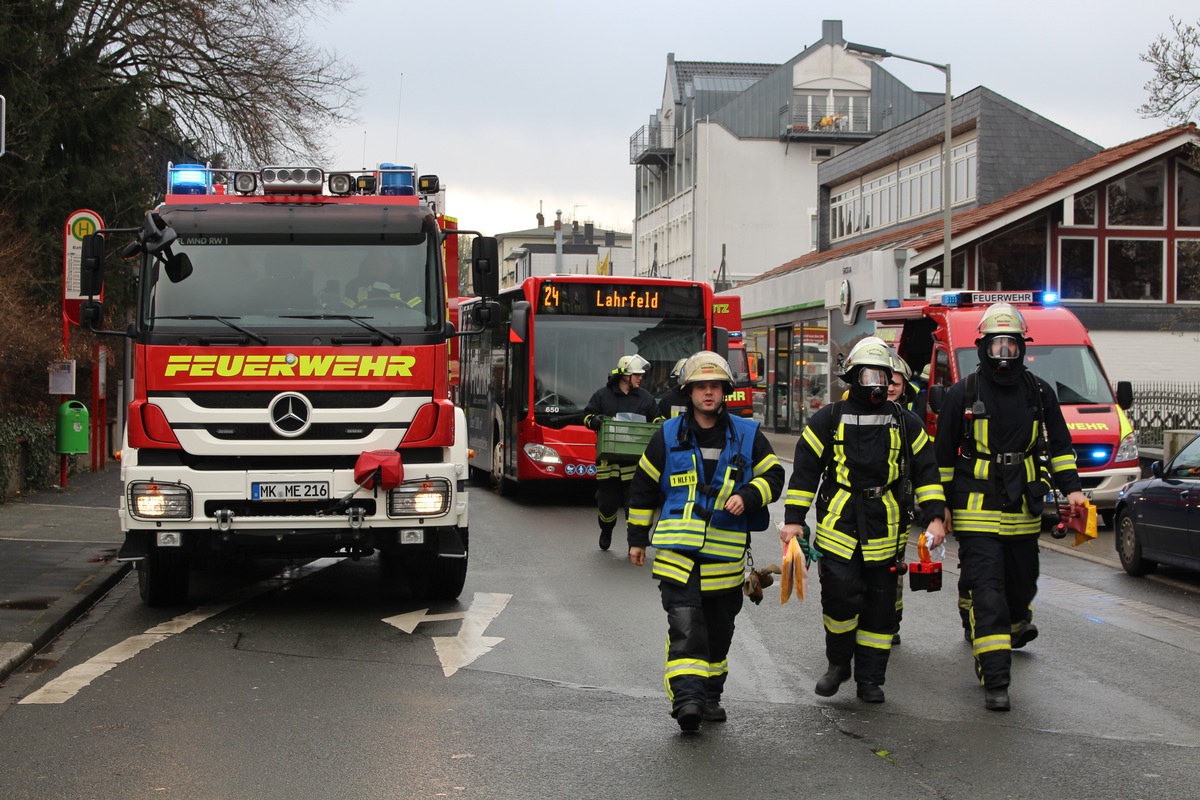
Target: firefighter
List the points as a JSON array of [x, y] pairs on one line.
[[674, 401], [1001, 441], [866, 454], [376, 283], [621, 394], [710, 475], [902, 392]]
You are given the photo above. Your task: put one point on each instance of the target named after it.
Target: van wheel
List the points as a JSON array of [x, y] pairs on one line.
[[163, 577]]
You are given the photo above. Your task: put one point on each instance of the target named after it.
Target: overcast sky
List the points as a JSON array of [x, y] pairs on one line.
[[519, 105]]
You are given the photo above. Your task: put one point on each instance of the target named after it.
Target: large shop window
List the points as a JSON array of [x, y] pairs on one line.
[[1187, 270], [1077, 269], [1137, 199], [1187, 213], [1016, 259], [1135, 269]]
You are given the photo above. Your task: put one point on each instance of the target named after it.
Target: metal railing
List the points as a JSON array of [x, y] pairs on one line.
[[1161, 406], [647, 141], [823, 121]]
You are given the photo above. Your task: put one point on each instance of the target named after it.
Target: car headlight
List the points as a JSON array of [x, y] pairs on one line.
[[148, 500], [541, 454], [1128, 451], [427, 498]]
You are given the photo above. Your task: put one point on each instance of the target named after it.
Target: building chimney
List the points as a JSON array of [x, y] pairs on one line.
[[610, 239], [541, 220], [589, 232], [831, 32]]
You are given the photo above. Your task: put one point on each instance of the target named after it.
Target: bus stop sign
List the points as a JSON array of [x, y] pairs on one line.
[[79, 224]]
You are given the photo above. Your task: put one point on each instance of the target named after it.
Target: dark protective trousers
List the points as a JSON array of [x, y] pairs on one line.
[[612, 494], [1000, 575], [699, 632], [858, 604]]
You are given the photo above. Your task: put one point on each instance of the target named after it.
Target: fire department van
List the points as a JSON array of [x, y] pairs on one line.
[[941, 331]]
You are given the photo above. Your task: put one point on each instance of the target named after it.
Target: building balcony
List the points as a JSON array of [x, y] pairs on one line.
[[646, 147], [806, 123]]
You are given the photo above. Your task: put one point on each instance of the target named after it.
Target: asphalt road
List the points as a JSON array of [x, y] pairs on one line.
[[545, 681]]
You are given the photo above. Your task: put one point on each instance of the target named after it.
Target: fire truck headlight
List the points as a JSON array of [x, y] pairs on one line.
[[427, 498], [341, 183], [159, 500], [1128, 451], [541, 454]]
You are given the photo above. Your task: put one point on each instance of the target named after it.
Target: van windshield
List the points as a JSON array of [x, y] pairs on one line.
[[1073, 371]]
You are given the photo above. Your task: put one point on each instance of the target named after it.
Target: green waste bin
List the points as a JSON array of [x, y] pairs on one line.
[[72, 432]]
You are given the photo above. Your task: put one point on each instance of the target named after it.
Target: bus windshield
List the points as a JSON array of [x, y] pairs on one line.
[[270, 283], [575, 355], [1073, 371]]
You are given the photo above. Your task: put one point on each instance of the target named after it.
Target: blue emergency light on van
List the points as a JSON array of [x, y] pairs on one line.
[[1049, 298], [397, 179], [188, 179]]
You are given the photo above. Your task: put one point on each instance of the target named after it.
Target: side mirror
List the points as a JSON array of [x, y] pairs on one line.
[[156, 234], [937, 395], [1156, 469], [519, 325], [91, 274], [485, 315], [721, 342], [91, 314], [179, 266], [1124, 394], [485, 266]]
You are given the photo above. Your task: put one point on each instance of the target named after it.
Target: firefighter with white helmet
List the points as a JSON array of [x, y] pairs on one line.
[[710, 475], [622, 394], [1001, 442], [861, 461], [674, 401]]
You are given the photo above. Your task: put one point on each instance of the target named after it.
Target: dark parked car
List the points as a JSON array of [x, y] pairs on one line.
[[1158, 519]]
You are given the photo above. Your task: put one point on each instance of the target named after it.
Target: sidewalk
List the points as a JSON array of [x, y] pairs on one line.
[[58, 548]]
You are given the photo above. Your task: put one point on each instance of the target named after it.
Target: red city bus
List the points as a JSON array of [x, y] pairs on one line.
[[524, 384]]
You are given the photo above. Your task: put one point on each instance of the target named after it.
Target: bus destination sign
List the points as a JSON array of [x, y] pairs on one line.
[[624, 301]]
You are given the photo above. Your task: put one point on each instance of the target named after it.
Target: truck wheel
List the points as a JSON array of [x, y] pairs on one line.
[[446, 578], [163, 577]]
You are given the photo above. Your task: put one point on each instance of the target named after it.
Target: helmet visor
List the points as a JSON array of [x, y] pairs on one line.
[[1004, 347], [873, 376]]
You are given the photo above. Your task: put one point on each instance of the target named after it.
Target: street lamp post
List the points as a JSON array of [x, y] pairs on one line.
[[878, 54]]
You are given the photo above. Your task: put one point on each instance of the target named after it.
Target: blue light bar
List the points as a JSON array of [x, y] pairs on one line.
[[1049, 298], [187, 179], [397, 179], [735, 334], [1100, 454], [951, 299]]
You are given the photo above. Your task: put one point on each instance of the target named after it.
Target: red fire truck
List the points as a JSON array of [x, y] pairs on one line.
[[940, 333], [727, 314], [526, 383], [291, 375]]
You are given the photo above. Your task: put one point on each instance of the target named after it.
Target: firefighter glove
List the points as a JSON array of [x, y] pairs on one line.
[[811, 553], [594, 421]]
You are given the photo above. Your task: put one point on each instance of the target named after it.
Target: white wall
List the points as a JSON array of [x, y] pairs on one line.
[[755, 196], [1147, 355]]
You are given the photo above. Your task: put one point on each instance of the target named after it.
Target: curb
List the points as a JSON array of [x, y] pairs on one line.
[[64, 612]]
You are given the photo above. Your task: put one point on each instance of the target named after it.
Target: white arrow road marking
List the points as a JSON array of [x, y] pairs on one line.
[[409, 622], [458, 651], [67, 685]]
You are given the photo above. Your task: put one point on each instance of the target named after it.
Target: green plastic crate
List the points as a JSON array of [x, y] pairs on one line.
[[624, 442]]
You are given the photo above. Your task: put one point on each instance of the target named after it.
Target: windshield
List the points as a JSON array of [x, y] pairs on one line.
[[263, 286], [1072, 370], [575, 355], [739, 365]]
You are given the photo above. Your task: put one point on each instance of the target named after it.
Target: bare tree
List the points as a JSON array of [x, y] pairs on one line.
[[1173, 90], [234, 77]]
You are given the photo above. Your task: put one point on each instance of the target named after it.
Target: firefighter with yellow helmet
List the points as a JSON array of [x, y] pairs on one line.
[[621, 394], [1001, 442], [711, 476], [674, 401], [862, 462]]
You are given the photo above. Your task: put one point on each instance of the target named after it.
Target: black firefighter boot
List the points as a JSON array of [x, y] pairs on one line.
[[833, 678]]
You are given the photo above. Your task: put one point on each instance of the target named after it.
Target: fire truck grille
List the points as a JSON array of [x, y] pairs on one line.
[[319, 432], [294, 508], [263, 399]]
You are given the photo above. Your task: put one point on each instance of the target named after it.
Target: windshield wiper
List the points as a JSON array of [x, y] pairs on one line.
[[223, 320], [356, 320]]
